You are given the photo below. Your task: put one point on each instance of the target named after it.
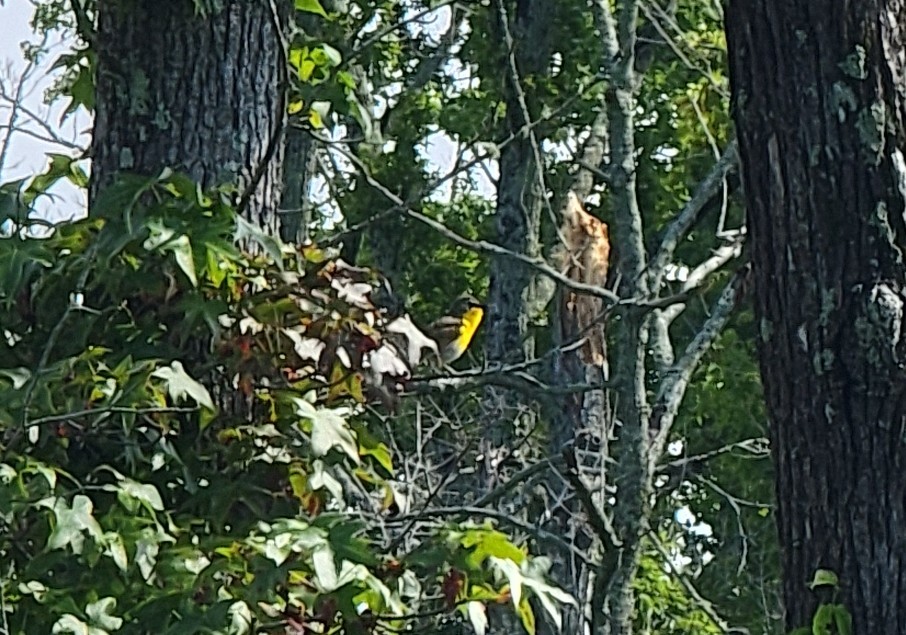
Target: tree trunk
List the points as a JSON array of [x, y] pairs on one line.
[[198, 93], [299, 166], [520, 28], [819, 92]]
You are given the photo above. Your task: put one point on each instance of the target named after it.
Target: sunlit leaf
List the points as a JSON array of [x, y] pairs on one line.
[[478, 617], [180, 386], [311, 6], [100, 613], [824, 577], [248, 232], [329, 430]]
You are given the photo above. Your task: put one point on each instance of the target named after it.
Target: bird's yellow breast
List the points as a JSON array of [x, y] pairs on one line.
[[470, 322]]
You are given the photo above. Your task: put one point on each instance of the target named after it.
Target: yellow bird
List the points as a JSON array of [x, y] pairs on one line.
[[454, 331]]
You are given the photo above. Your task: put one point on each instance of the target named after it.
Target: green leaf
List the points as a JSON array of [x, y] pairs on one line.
[[246, 231], [345, 79], [7, 473], [143, 492], [311, 6], [34, 588], [289, 536], [370, 446], [322, 109], [82, 91], [513, 576], [321, 478], [101, 614], [552, 598], [12, 203], [72, 523], [329, 429], [831, 619], [240, 618], [334, 57], [180, 385], [69, 623], [164, 239], [824, 577], [478, 617], [490, 543], [843, 620], [325, 567], [18, 376], [116, 550], [306, 68], [146, 550], [526, 616], [61, 167]]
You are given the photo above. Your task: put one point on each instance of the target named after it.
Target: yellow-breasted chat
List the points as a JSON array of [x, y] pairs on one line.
[[455, 331]]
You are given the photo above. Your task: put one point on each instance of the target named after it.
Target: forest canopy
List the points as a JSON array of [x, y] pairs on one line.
[[228, 402]]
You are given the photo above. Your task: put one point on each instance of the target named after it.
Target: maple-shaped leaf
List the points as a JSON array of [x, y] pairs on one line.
[[181, 386], [416, 340], [329, 429]]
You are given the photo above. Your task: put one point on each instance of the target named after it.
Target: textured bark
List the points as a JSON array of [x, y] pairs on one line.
[[298, 168], [819, 89], [613, 599], [521, 28], [581, 422], [199, 94]]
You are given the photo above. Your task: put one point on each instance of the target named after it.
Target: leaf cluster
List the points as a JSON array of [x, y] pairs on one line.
[[183, 440]]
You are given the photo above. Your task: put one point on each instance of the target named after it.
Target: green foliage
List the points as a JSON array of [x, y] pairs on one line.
[[830, 618], [183, 441], [663, 606], [172, 319], [730, 487]]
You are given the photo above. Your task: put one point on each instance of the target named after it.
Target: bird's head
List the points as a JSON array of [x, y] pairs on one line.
[[462, 304]]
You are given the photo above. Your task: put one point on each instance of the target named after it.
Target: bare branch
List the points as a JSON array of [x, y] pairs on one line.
[[96, 412], [396, 26], [480, 245], [702, 273], [516, 380], [656, 22], [758, 447], [706, 189], [275, 138], [529, 528], [676, 379], [516, 81], [16, 101]]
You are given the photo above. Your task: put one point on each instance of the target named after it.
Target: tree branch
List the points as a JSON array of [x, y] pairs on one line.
[[674, 383], [705, 191], [482, 246]]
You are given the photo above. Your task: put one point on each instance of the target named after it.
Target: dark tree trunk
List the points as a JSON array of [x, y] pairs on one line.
[[819, 89], [299, 166], [525, 52], [199, 94]]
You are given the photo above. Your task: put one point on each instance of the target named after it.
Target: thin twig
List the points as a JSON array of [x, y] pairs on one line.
[[390, 28], [471, 510], [16, 102], [78, 414], [705, 605]]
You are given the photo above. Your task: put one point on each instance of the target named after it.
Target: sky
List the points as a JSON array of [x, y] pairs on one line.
[[27, 155]]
